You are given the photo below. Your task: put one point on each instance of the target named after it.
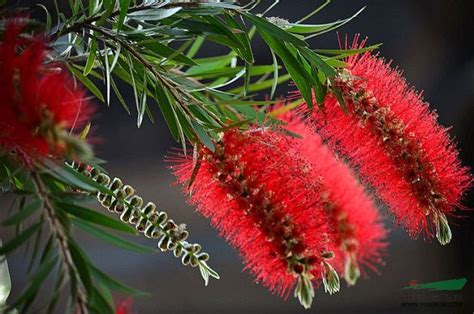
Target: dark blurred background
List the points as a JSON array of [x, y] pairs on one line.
[[429, 40]]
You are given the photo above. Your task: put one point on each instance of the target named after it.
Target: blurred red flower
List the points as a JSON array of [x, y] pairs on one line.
[[124, 306], [40, 103]]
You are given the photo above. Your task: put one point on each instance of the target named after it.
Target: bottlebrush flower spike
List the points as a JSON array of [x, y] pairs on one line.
[[357, 230], [40, 104], [261, 200], [395, 142]]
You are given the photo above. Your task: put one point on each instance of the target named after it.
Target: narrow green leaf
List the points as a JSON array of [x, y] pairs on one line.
[[94, 217], [115, 285], [167, 110], [124, 5], [82, 265], [298, 73], [195, 47], [154, 14], [110, 238], [98, 302], [19, 239], [48, 17], [165, 51], [91, 57], [87, 82], [255, 87], [264, 26], [318, 62], [72, 177], [141, 105], [348, 52], [275, 75], [203, 136], [35, 283], [23, 213], [340, 99], [119, 95]]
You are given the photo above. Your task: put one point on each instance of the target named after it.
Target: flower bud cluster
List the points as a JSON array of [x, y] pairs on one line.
[[145, 218]]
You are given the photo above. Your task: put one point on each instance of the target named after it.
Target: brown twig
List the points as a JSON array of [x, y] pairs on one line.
[[59, 233]]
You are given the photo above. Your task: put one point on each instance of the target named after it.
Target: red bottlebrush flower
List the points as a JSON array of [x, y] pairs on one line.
[[261, 200], [392, 138], [124, 306], [357, 231], [40, 104]]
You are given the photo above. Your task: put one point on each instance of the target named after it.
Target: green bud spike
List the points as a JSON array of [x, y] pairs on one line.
[[443, 231]]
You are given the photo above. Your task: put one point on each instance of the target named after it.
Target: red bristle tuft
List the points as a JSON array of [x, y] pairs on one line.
[[357, 230], [392, 138], [261, 200]]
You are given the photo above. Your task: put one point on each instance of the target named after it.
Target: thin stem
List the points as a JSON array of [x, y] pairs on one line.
[[59, 233], [314, 12]]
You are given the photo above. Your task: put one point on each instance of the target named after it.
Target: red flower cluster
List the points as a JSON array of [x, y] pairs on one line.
[[39, 104], [357, 230], [392, 138], [260, 198], [287, 204]]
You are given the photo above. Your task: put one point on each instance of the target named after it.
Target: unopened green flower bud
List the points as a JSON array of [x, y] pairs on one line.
[[116, 184], [152, 231], [171, 244], [120, 194], [94, 173], [203, 257], [149, 209], [163, 243], [125, 217], [136, 201], [128, 190], [178, 251], [194, 261], [162, 217], [183, 235], [186, 259], [195, 248], [103, 179], [140, 225], [107, 201], [135, 217], [170, 225]]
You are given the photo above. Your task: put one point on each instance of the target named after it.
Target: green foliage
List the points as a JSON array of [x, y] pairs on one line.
[[153, 47], [54, 196]]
